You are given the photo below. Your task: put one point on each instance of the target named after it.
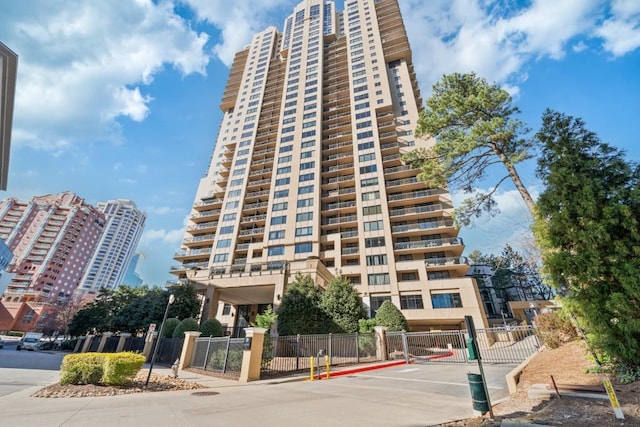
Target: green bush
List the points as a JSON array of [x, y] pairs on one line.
[[100, 368], [211, 328], [121, 368], [390, 316], [188, 324], [84, 368], [554, 330], [15, 334], [234, 360], [169, 327], [69, 344]]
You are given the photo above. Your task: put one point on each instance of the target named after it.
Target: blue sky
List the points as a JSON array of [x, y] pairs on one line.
[[120, 99]]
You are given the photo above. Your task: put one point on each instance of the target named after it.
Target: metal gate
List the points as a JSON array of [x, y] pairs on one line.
[[222, 355], [496, 345]]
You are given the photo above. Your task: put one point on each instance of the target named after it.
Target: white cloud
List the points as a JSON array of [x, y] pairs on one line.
[[238, 21], [489, 38], [85, 65], [170, 237], [621, 32]]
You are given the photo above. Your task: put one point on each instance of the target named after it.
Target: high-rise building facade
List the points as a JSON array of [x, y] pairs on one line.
[[306, 175], [52, 238], [8, 74], [123, 228]]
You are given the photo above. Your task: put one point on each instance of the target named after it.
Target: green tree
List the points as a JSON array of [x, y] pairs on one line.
[[587, 226], [300, 311], [211, 328], [142, 311], [390, 316], [169, 327], [341, 302], [266, 319], [186, 325], [474, 128], [187, 303]]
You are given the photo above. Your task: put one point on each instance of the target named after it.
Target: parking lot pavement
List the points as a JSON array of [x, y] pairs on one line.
[[20, 370]]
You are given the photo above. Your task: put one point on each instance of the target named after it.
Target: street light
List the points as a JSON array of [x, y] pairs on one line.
[[155, 350]]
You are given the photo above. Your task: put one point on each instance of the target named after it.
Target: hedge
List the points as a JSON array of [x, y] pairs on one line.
[[101, 368]]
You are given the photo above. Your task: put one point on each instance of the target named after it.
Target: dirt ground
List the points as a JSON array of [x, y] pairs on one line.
[[568, 365]]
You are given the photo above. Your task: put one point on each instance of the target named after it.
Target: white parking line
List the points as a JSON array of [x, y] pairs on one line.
[[421, 381], [404, 371]]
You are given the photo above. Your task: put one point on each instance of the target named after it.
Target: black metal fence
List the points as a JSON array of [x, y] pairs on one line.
[[218, 354], [111, 344], [95, 343], [169, 350], [134, 344], [292, 354], [512, 344]]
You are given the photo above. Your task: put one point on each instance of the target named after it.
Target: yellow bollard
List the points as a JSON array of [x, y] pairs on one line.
[[326, 362], [311, 364]]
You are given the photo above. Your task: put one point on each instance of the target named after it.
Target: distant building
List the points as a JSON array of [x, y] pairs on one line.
[[5, 258], [131, 277], [52, 238], [123, 228], [8, 72], [307, 176]]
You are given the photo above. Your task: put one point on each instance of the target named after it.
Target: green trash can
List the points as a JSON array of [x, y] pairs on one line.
[[478, 396]]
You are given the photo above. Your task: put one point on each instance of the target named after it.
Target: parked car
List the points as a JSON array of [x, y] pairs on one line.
[[1, 343], [29, 341]]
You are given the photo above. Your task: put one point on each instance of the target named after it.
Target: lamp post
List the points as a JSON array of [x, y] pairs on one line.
[[155, 350]]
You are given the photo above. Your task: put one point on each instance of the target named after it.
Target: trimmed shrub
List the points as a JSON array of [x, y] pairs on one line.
[[121, 368], [84, 368], [69, 344], [170, 326], [554, 330], [100, 368], [188, 324], [234, 360], [390, 316], [211, 328]]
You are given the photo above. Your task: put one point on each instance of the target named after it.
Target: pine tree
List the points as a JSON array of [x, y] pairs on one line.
[[587, 225]]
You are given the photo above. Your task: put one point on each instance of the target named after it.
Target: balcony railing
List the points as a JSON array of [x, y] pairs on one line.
[[420, 244], [434, 262], [422, 226], [415, 194], [340, 220], [415, 210]]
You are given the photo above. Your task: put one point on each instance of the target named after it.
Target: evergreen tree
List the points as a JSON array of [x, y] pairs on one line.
[[390, 316], [587, 225], [341, 302], [300, 311], [474, 125], [186, 325], [211, 328]]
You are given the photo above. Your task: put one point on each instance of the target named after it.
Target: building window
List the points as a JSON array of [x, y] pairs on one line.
[[280, 193], [372, 210], [451, 300], [411, 302], [409, 277], [274, 235], [275, 250], [305, 203], [373, 226], [224, 243], [374, 242], [279, 220], [280, 206], [377, 259], [378, 279], [304, 231], [371, 195], [221, 258], [306, 216], [301, 248], [368, 169], [437, 275], [226, 310]]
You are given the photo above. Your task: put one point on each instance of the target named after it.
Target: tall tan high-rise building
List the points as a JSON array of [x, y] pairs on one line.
[[306, 175]]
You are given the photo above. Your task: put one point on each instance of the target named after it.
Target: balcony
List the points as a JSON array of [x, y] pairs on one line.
[[422, 226], [206, 215], [350, 251], [338, 205], [438, 262], [416, 210], [340, 192], [253, 218], [251, 231], [203, 226], [340, 220], [338, 179], [432, 243]]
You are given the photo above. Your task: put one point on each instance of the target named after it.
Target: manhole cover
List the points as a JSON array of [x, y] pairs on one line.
[[204, 393]]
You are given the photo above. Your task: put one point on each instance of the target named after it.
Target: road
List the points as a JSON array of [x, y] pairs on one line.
[[407, 395], [20, 370]]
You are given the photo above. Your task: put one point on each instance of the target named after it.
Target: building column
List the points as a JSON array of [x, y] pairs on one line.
[[381, 342], [123, 340], [103, 341], [87, 343], [148, 344], [187, 348], [211, 303], [252, 354]]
